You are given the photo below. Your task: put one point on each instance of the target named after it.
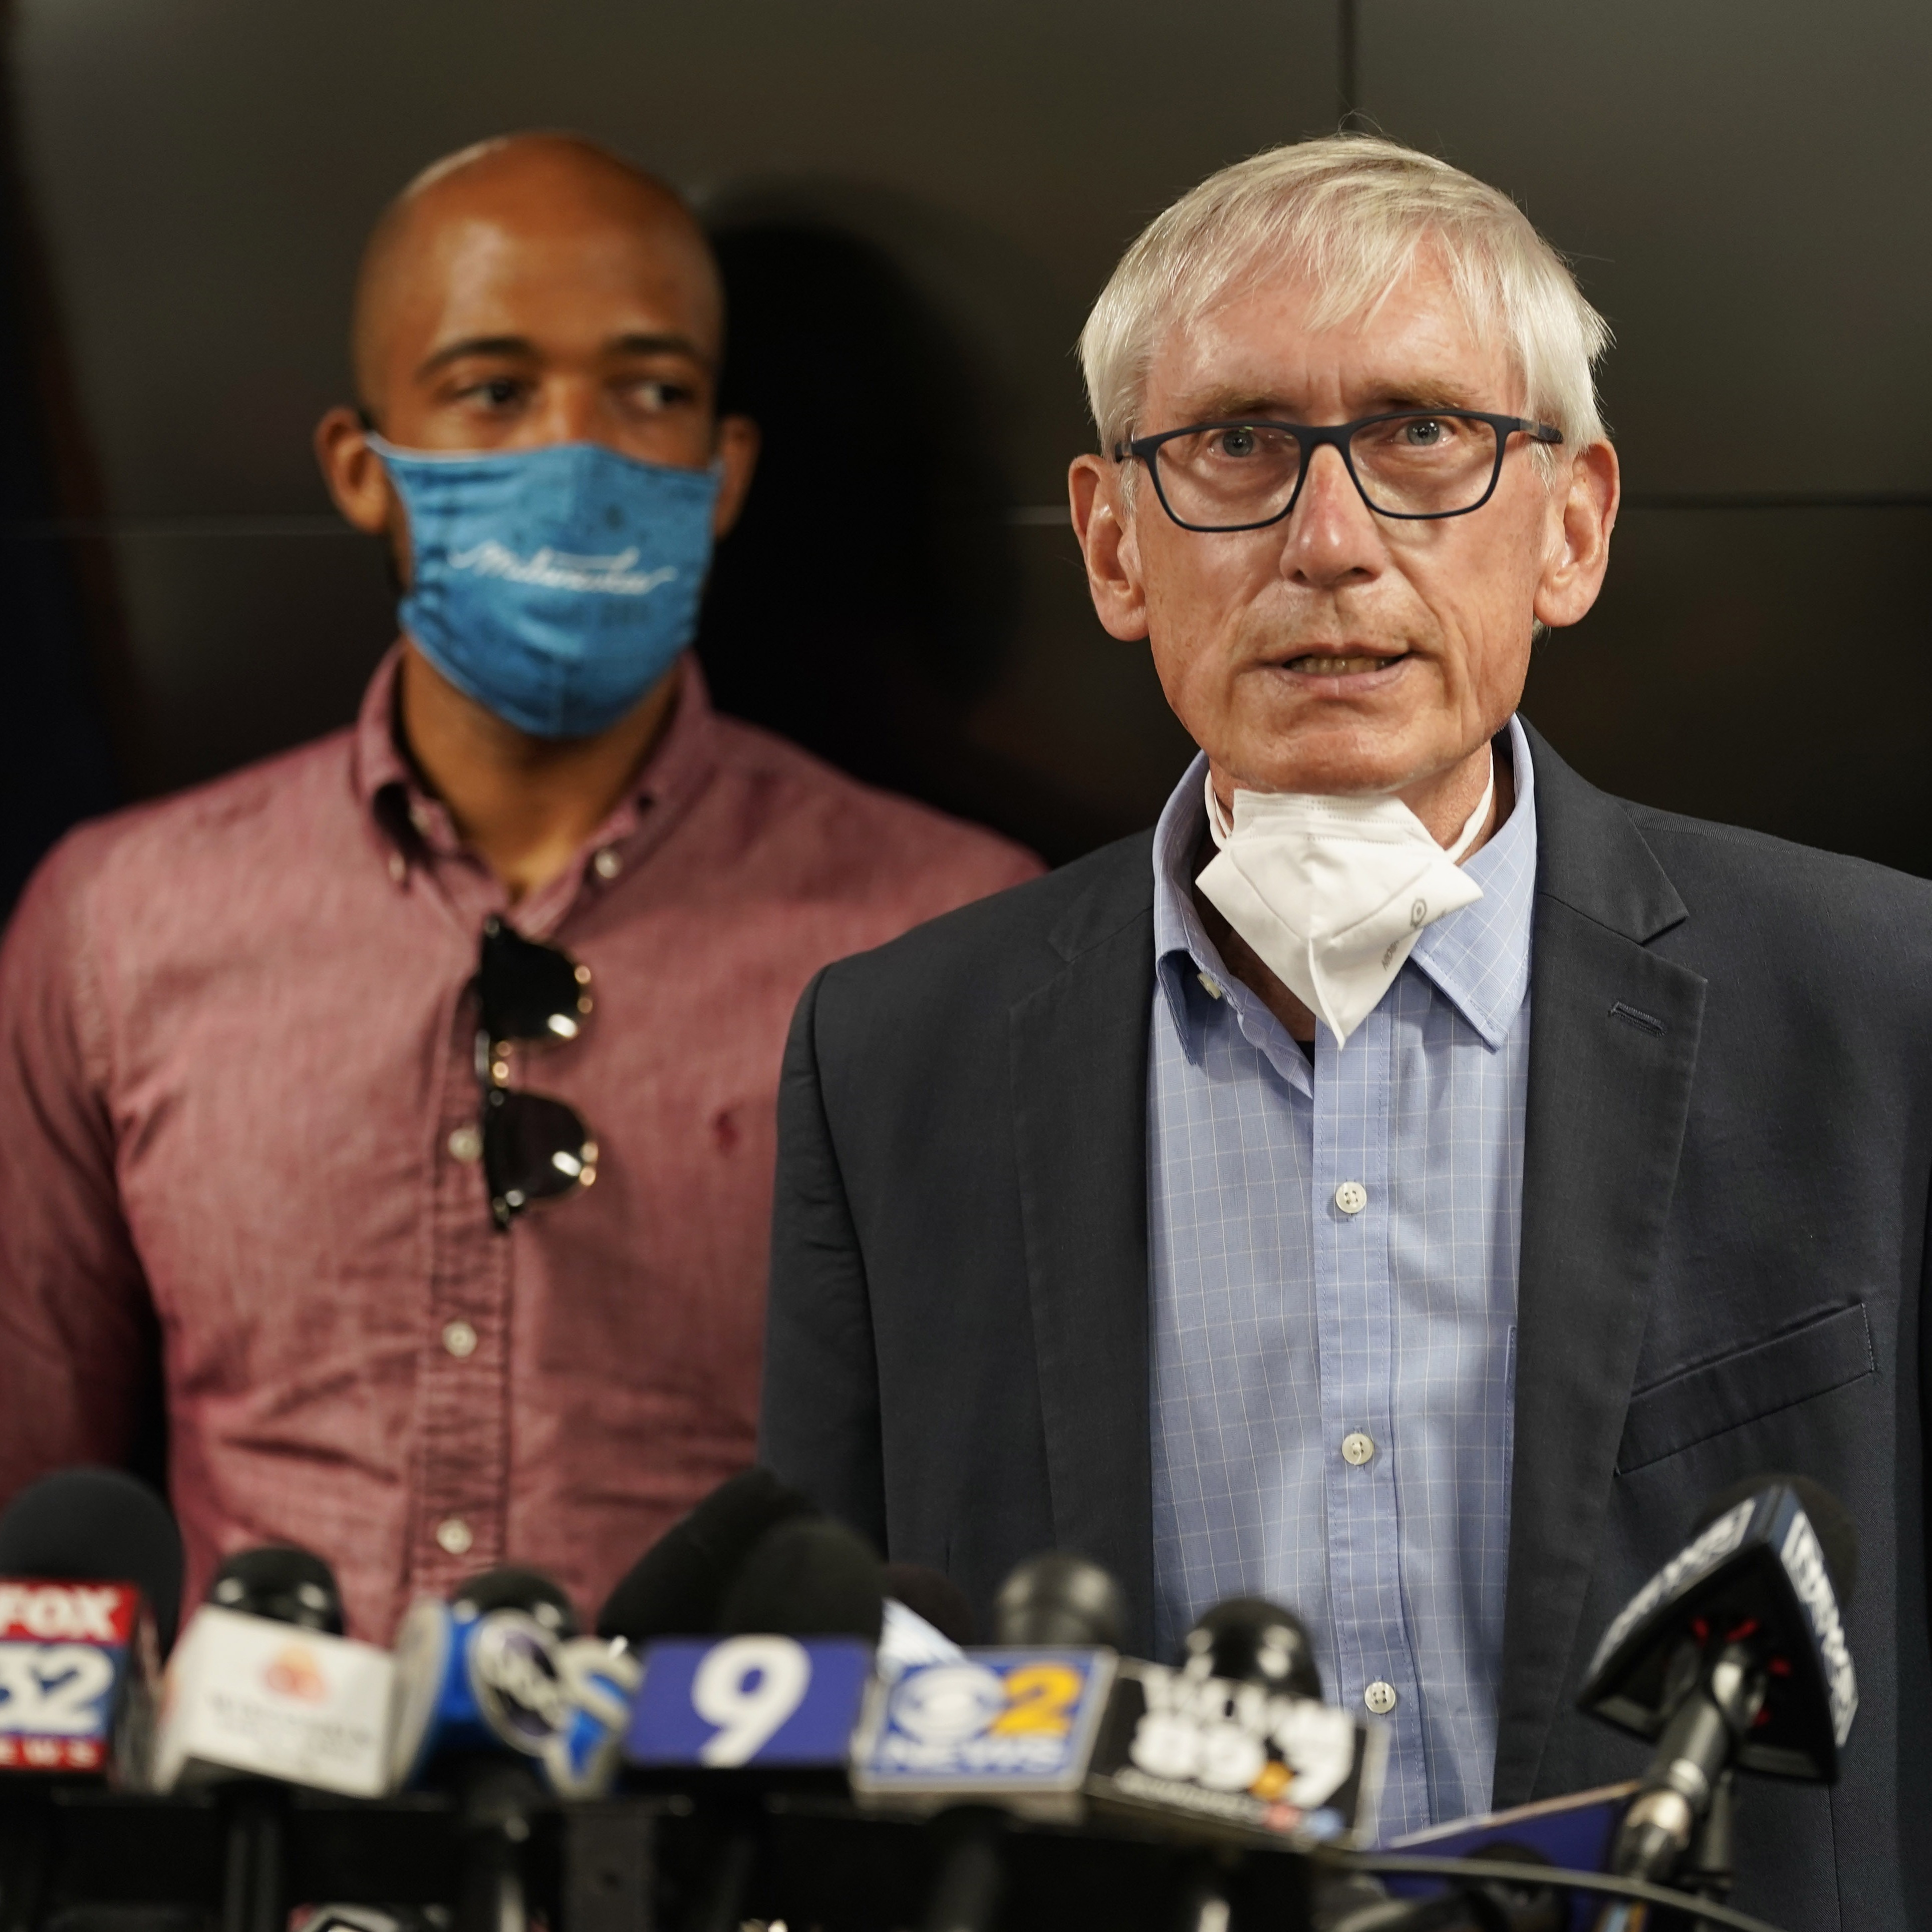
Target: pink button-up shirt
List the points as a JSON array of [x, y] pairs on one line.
[[238, 1099]]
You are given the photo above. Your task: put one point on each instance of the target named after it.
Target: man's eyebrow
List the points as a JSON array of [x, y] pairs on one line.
[[660, 345], [476, 345], [1257, 405], [1424, 396], [523, 349], [1231, 406]]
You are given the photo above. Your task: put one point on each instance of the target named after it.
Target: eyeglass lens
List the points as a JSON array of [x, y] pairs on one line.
[[529, 991], [534, 1147], [1408, 465]]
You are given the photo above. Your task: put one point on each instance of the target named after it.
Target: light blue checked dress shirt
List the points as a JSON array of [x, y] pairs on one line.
[[1282, 1325]]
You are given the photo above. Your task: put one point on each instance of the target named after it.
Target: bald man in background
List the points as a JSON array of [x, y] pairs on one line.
[[311, 1069]]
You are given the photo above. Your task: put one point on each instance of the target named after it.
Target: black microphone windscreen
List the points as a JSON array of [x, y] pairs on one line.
[[676, 1587], [1250, 1640], [1057, 1599], [97, 1526], [282, 1583], [811, 1577], [1837, 1534], [510, 1588], [932, 1594]]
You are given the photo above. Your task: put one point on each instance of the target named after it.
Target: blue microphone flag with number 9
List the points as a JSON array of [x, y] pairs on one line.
[[737, 1702]]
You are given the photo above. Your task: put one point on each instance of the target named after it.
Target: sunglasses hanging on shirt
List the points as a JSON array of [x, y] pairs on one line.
[[534, 1147]]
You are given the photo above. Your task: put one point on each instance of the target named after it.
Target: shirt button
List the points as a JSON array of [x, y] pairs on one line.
[[399, 867], [1357, 1448], [1352, 1197], [453, 1534], [606, 863], [1380, 1698], [1210, 985], [466, 1144], [419, 817], [460, 1339]]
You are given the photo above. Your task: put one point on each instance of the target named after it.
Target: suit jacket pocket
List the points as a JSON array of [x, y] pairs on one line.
[[1832, 1348]]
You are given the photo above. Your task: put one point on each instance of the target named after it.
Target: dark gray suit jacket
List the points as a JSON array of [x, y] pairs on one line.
[[1724, 1217]]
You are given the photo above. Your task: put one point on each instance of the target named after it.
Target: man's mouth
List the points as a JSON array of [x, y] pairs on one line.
[[1343, 664]]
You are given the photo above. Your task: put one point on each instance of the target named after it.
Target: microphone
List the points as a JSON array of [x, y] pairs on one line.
[[1236, 1742], [503, 1666], [264, 1684], [500, 1696], [676, 1587], [1006, 1730], [1056, 1599], [90, 1590], [1733, 1658], [264, 1692], [772, 1703], [90, 1579], [479, 1675]]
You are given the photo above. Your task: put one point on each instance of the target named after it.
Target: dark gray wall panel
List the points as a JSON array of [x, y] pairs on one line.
[[1745, 186], [245, 644], [1768, 668]]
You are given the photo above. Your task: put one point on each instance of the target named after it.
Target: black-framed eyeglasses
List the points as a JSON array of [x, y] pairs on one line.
[[534, 1147], [1414, 464]]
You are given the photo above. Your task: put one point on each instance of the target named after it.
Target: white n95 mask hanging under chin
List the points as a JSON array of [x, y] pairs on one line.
[[1333, 893]]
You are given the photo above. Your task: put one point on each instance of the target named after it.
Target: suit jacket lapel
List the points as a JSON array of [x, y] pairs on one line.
[[1613, 1044], [1079, 1062]]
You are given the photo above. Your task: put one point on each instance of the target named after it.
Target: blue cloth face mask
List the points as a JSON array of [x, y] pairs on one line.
[[555, 586]]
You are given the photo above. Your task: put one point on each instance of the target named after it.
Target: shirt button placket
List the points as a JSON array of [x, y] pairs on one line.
[[463, 1387], [1353, 1090]]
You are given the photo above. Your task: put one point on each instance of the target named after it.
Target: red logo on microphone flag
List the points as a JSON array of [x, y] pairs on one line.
[[101, 1613]]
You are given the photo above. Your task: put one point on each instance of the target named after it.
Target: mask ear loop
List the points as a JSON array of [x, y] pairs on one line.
[[1473, 824], [1217, 823]]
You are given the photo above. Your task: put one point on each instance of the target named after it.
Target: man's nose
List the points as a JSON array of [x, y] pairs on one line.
[[1332, 534], [569, 410]]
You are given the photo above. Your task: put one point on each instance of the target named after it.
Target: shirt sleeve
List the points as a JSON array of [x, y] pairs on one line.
[[77, 1330], [819, 1427]]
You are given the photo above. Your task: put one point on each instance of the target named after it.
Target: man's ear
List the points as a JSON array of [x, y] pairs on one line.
[[1579, 548], [1109, 541], [357, 482], [738, 444]]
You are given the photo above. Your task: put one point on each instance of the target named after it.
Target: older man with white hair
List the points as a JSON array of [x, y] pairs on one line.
[[1411, 1182]]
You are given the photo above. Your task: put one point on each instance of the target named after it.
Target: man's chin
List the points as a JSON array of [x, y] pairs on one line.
[[1326, 751]]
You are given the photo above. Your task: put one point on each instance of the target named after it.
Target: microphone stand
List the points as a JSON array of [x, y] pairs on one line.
[[494, 1800], [972, 1881], [254, 1883], [1709, 1867], [26, 1827]]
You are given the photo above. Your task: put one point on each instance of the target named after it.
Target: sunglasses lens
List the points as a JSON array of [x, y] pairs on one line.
[[533, 1148], [530, 991]]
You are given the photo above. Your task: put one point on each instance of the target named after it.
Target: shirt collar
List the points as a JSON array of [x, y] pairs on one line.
[[1477, 957], [416, 822]]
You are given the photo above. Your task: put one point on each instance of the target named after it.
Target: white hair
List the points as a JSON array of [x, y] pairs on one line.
[[1349, 214]]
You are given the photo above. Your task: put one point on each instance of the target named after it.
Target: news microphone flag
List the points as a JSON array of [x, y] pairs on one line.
[[77, 1668], [1574, 1833], [750, 1702], [1182, 1746], [250, 1696], [600, 1677], [501, 1680], [1010, 1727]]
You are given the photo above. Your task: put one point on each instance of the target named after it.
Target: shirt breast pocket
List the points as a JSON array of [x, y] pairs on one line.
[[1826, 1352]]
